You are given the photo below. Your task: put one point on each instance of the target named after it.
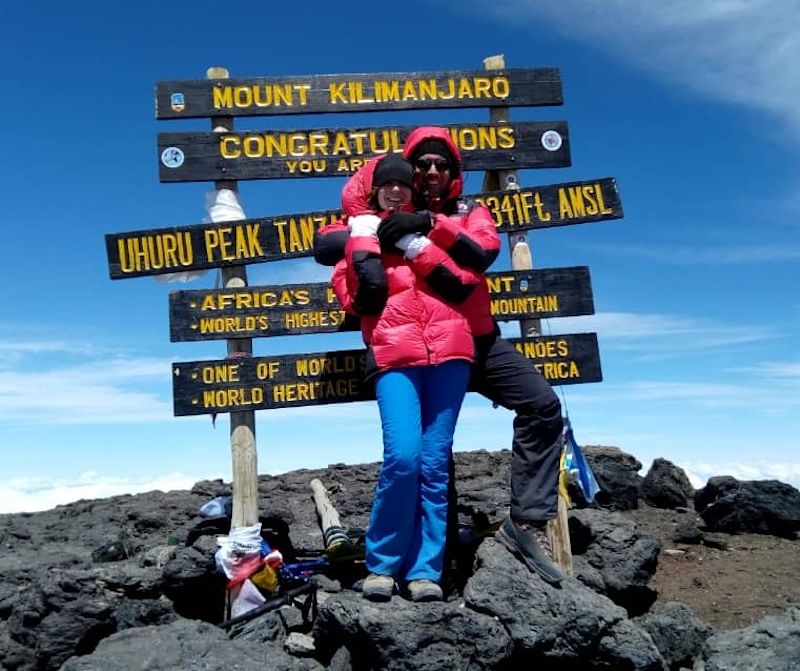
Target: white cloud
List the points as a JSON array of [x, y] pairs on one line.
[[776, 370], [694, 256], [699, 472], [663, 334], [12, 351], [34, 494], [97, 392], [740, 51]]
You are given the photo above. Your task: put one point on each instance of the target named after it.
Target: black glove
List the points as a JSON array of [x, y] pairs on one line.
[[396, 225]]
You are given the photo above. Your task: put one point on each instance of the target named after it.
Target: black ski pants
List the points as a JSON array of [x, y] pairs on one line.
[[507, 378]]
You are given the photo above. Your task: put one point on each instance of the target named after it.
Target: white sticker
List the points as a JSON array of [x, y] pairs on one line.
[[552, 140], [172, 157]]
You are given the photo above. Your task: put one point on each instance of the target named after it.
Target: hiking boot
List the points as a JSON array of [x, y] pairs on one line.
[[378, 587], [424, 590], [529, 542]]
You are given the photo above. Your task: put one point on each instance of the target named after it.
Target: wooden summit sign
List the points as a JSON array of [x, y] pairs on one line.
[[201, 246], [299, 309], [262, 96], [294, 380], [279, 154]]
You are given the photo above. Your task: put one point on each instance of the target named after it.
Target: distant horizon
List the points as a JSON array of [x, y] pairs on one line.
[[51, 494]]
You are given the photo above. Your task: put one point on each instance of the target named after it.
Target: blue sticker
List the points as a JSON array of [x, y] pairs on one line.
[[177, 102], [552, 140], [172, 157]]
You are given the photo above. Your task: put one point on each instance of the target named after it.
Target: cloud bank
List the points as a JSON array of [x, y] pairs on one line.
[[737, 51]]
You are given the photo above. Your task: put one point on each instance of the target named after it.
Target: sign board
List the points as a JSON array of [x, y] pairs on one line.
[[298, 309], [196, 247], [263, 96], [295, 380], [280, 154]]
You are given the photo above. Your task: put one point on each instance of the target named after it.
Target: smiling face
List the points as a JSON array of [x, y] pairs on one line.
[[393, 195], [432, 174]]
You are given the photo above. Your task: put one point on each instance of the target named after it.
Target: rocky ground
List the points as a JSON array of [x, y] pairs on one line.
[[129, 582], [730, 581]]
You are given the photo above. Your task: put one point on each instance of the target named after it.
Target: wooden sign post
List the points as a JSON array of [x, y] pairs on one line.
[[289, 236], [521, 259], [236, 312], [244, 456]]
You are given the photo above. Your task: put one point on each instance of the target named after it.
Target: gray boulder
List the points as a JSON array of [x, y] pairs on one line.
[[772, 644], [677, 632], [667, 486], [570, 627], [756, 506], [617, 473], [185, 644], [400, 635], [613, 557]]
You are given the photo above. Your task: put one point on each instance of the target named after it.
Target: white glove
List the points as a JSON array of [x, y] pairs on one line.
[[414, 246], [364, 225]]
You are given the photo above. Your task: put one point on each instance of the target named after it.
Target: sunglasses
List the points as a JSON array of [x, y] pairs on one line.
[[425, 164]]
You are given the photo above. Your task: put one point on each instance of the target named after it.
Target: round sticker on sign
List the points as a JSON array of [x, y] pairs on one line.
[[552, 140], [172, 157]]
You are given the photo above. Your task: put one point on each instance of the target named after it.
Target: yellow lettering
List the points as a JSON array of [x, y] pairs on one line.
[[336, 92], [387, 91], [253, 146], [564, 209], [500, 87], [464, 89], [223, 97], [409, 93], [505, 137], [302, 90], [229, 146], [280, 225], [243, 96]]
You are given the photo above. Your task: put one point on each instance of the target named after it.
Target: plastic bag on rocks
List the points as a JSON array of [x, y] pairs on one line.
[[239, 553], [248, 598], [218, 506]]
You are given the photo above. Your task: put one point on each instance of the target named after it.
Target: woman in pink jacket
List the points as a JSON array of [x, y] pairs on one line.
[[420, 348]]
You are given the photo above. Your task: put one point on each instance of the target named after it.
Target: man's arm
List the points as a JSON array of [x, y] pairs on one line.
[[330, 242], [441, 273], [469, 237]]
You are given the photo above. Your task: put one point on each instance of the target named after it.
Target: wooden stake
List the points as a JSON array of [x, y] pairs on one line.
[[244, 466], [243, 426], [521, 259], [332, 531]]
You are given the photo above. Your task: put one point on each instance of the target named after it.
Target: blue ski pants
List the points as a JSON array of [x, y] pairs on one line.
[[407, 530]]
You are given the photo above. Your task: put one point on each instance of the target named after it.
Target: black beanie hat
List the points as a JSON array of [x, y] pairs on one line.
[[395, 168], [434, 146]]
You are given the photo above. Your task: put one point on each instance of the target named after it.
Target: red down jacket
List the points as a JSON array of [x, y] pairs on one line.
[[464, 234], [403, 320]]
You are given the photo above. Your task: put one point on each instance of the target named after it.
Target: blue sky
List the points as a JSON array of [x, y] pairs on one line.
[[692, 106]]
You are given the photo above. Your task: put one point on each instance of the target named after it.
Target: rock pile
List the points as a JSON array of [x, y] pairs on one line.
[[130, 583]]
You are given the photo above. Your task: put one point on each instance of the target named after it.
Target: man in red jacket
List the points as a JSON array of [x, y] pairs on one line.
[[460, 230]]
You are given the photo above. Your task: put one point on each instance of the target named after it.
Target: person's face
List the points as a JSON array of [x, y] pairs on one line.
[[393, 195], [432, 174]]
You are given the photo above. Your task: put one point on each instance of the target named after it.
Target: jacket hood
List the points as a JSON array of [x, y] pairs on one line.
[[419, 135]]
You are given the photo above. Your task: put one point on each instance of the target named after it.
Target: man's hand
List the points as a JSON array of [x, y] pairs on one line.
[[396, 225]]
